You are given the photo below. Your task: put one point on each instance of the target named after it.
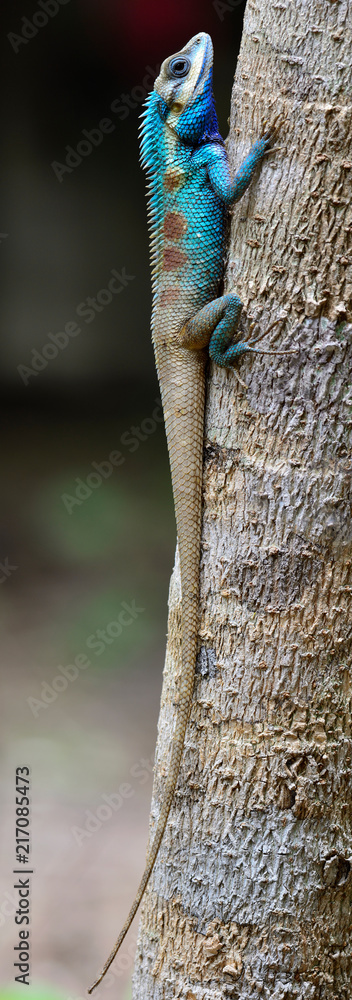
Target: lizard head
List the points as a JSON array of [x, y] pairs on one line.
[[185, 86]]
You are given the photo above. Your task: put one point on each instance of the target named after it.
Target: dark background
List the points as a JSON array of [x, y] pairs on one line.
[[66, 568]]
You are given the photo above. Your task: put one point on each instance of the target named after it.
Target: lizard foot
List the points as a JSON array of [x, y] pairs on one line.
[[272, 129], [254, 340]]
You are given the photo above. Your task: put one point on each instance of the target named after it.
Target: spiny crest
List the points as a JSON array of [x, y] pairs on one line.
[[150, 132], [150, 157]]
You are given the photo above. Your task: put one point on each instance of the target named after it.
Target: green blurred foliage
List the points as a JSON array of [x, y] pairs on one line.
[[31, 992]]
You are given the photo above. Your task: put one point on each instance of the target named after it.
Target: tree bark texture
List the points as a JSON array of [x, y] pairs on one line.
[[251, 894]]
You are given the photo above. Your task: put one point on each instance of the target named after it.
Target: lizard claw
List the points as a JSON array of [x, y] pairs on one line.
[[271, 130], [254, 340]]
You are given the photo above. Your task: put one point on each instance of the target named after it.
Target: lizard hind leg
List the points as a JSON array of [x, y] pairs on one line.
[[222, 349], [216, 325], [220, 314]]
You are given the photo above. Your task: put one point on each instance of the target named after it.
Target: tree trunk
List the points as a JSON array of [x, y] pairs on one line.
[[251, 894]]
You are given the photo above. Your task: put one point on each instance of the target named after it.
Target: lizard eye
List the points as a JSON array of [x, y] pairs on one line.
[[179, 66]]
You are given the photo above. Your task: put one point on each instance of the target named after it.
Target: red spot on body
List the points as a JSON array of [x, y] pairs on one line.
[[173, 258], [169, 296], [175, 225]]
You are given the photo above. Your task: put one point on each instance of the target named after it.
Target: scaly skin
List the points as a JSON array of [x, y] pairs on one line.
[[190, 190]]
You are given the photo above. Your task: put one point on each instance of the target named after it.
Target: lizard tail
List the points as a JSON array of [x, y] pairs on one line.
[[184, 419], [184, 703]]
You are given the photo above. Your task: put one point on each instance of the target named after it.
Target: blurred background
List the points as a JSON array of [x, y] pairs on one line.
[[87, 527]]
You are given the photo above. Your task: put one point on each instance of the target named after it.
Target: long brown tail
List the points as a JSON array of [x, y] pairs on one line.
[[184, 418], [184, 703]]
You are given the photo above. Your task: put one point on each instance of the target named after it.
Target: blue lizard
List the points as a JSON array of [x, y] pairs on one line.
[[190, 190]]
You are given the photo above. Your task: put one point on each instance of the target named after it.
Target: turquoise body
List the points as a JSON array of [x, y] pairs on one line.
[[190, 191]]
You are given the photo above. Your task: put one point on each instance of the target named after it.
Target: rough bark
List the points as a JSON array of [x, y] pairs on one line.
[[251, 894]]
